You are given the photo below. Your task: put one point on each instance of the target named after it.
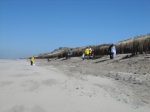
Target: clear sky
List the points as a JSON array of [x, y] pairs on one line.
[[30, 27]]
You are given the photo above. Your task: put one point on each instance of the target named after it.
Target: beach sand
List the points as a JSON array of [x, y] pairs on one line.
[[60, 85]]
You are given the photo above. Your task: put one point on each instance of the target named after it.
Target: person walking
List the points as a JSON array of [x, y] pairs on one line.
[[87, 52], [32, 60], [112, 51], [69, 54]]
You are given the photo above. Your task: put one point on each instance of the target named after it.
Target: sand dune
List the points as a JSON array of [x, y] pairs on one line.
[[101, 85]]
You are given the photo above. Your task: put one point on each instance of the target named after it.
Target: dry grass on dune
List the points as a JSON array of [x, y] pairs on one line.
[[135, 45]]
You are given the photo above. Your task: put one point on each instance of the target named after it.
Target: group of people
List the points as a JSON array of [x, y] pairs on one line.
[[88, 52]]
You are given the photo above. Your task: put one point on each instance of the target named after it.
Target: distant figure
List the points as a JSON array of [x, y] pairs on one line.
[[112, 51], [69, 54], [90, 51], [48, 60], [32, 60], [87, 52]]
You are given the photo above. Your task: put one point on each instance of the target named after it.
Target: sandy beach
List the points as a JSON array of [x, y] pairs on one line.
[[60, 85]]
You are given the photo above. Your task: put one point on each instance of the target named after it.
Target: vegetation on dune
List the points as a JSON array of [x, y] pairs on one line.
[[136, 45]]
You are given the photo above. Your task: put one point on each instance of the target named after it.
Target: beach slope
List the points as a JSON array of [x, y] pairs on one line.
[[52, 87]]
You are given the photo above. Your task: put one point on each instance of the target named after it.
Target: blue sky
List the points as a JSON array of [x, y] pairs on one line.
[[30, 27]]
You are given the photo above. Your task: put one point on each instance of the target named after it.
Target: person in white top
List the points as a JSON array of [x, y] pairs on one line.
[[90, 51], [112, 51]]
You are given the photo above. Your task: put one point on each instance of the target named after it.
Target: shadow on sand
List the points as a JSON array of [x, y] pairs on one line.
[[64, 59], [102, 61]]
